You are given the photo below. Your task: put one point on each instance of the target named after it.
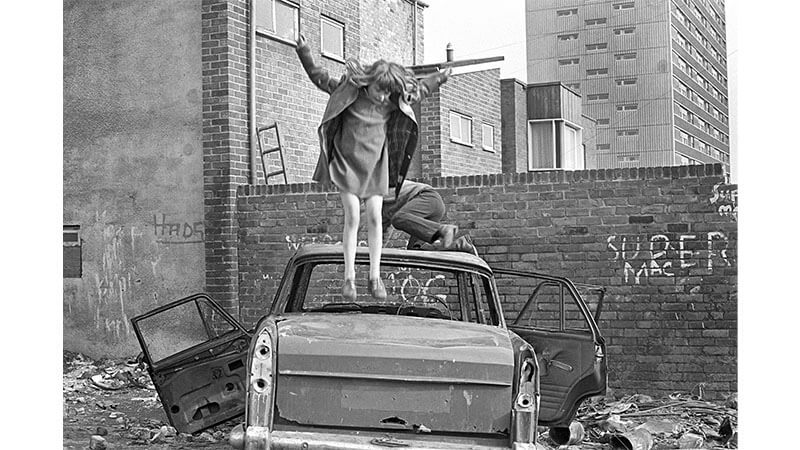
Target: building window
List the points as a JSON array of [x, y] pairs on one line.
[[460, 128], [72, 251], [624, 31], [596, 47], [628, 159], [603, 122], [683, 160], [596, 72], [278, 18], [625, 81], [568, 37], [332, 37], [567, 12], [628, 132], [596, 97], [680, 63], [626, 5], [628, 107], [568, 61], [555, 144], [625, 56], [604, 146], [598, 21], [683, 113], [487, 137], [684, 138]]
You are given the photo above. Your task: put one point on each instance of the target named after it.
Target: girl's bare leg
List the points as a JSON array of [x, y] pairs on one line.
[[374, 205], [351, 207]]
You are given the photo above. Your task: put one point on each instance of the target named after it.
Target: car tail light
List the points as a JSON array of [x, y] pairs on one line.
[[255, 433], [525, 411]]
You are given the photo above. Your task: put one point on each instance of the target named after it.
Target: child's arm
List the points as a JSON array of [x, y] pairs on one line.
[[432, 82], [319, 76]]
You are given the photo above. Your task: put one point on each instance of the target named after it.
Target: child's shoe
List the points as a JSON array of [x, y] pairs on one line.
[[349, 290], [377, 289]]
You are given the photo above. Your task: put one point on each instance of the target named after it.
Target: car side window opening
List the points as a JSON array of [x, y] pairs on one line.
[[412, 291], [544, 305], [182, 327]]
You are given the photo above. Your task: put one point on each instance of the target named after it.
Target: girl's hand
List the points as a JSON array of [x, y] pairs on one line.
[[301, 40], [445, 74]]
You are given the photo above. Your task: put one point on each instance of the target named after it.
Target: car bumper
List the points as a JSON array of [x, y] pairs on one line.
[[259, 438]]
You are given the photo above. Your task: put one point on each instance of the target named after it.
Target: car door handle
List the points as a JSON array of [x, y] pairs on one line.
[[560, 365]]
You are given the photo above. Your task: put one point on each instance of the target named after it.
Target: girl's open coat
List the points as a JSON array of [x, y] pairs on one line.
[[402, 131]]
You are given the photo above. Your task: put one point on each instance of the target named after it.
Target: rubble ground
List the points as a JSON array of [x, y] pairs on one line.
[[113, 404]]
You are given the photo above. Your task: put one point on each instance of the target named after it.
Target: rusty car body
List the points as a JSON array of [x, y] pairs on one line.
[[433, 366]]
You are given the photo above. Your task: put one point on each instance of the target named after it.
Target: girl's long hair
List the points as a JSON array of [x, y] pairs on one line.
[[388, 76]]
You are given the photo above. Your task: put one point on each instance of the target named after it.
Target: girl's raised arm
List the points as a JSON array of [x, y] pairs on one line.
[[318, 75], [431, 83]]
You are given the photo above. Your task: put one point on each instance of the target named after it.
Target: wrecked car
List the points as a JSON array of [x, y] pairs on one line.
[[435, 365]]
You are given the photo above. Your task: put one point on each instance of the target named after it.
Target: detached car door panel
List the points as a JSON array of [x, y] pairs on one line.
[[196, 355], [555, 320]]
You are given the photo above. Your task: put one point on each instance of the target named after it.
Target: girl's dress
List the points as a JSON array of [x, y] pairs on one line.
[[359, 163]]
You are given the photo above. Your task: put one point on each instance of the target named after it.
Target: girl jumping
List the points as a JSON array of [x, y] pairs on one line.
[[367, 137]]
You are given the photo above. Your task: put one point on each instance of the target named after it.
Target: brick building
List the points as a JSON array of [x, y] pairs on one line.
[[157, 137]]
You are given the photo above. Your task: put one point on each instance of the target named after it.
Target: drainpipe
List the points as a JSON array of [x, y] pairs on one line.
[[414, 36], [251, 96]]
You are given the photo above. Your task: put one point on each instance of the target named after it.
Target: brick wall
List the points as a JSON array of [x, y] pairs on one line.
[[663, 241], [386, 31], [513, 110], [225, 138], [473, 94]]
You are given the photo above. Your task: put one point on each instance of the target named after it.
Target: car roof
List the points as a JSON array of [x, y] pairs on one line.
[[335, 252]]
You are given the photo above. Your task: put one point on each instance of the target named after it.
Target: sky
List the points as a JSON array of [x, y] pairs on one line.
[[477, 32]]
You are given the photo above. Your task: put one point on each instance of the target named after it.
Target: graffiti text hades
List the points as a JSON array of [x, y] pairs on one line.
[[177, 232]]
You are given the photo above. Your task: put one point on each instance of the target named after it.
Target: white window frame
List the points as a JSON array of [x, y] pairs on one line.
[[484, 127], [554, 149], [596, 21], [603, 96], [627, 132], [627, 56], [599, 72], [622, 31], [463, 118], [338, 25], [627, 107], [273, 33], [596, 47]]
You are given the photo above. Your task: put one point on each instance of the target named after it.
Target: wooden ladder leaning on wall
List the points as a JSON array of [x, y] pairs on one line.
[[278, 148]]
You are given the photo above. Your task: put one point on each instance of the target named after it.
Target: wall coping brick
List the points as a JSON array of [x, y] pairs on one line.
[[500, 179]]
